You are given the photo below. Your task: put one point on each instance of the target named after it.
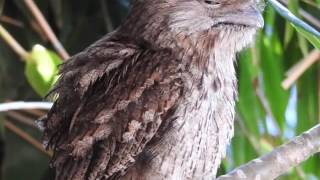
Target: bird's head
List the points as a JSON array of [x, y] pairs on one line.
[[233, 21]]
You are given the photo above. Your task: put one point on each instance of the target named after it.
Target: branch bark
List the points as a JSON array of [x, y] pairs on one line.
[[280, 160]]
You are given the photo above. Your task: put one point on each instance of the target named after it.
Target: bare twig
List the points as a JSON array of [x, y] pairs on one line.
[[310, 18], [37, 145], [299, 69], [280, 160], [47, 29], [16, 47], [11, 21], [24, 105], [311, 3], [35, 112], [23, 119]]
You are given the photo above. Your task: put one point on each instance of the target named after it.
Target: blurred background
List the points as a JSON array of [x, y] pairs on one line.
[[279, 78]]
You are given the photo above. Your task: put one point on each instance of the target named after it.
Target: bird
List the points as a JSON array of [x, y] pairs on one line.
[[155, 98]]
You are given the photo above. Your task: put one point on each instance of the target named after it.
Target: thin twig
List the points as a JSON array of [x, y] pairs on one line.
[[280, 160], [24, 105], [23, 119], [294, 68], [310, 18], [47, 29], [15, 46], [35, 112], [311, 3], [299, 69], [11, 21], [37, 145]]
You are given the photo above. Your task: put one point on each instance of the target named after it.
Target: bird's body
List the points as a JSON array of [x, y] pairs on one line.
[[152, 100]]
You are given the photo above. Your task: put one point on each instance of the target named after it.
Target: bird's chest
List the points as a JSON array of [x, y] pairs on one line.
[[203, 127]]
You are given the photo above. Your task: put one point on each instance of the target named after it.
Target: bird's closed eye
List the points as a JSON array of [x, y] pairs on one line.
[[212, 2]]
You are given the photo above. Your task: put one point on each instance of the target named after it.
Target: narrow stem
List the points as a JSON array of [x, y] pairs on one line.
[[47, 29], [15, 46], [35, 112], [11, 21], [22, 119], [37, 145], [300, 68]]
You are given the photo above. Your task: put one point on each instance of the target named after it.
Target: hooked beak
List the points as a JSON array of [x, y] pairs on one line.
[[250, 17]]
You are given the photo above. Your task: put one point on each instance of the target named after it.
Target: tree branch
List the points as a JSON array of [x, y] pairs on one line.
[[280, 160]]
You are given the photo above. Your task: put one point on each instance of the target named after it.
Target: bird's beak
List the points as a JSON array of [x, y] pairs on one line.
[[249, 16]]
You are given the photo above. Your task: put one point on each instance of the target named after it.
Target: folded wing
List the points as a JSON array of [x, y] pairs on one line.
[[111, 100]]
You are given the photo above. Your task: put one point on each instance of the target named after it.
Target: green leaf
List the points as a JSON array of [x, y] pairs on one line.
[[271, 63], [248, 105], [41, 69], [307, 107], [293, 5], [305, 29], [242, 150], [313, 39]]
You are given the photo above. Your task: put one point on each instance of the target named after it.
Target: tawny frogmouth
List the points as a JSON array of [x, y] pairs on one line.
[[153, 100]]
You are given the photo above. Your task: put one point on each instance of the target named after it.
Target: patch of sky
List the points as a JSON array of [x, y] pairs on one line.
[[291, 114], [290, 117]]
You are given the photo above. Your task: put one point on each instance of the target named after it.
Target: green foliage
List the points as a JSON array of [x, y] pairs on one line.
[[268, 115], [315, 40], [303, 28], [41, 69], [262, 100]]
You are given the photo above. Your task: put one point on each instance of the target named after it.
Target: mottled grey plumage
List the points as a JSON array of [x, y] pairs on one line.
[[155, 98]]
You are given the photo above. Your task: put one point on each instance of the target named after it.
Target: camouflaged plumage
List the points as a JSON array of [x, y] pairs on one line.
[[155, 98]]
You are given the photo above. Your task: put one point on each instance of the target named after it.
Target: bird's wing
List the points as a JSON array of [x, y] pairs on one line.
[[109, 104]]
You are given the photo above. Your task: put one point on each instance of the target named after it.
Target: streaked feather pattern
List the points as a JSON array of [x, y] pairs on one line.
[[152, 100]]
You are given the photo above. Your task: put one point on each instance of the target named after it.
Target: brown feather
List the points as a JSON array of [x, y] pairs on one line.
[[152, 100]]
